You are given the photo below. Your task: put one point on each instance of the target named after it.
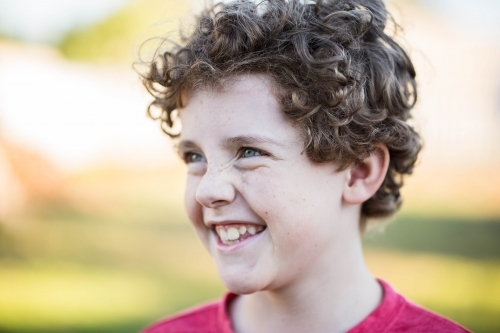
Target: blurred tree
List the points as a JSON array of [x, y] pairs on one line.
[[116, 38], [11, 193], [26, 178]]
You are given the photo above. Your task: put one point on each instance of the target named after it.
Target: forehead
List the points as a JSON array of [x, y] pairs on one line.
[[245, 105], [239, 87]]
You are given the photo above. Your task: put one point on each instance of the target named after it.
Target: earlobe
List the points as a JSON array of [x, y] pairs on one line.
[[366, 177]]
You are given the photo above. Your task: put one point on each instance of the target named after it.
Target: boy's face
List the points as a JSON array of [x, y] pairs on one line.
[[249, 178]]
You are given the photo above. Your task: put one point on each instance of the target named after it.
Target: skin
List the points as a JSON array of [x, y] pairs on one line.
[[246, 164]]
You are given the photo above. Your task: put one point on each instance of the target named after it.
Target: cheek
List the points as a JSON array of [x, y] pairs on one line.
[[296, 205], [192, 206], [276, 198]]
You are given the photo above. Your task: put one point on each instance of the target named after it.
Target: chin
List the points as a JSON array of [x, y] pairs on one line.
[[241, 287], [242, 283]]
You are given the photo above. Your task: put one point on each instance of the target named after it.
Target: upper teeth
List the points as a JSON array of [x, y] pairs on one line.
[[252, 230], [230, 235], [233, 234], [223, 235]]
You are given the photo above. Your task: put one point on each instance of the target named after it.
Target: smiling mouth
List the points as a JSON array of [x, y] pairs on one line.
[[235, 233]]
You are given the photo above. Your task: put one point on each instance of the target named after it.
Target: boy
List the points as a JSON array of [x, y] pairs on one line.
[[294, 131]]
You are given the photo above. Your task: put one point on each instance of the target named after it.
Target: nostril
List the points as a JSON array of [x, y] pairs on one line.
[[218, 202]]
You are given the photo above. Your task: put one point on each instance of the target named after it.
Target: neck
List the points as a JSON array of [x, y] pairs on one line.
[[322, 300]]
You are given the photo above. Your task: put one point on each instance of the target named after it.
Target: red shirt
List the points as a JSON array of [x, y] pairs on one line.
[[394, 315]]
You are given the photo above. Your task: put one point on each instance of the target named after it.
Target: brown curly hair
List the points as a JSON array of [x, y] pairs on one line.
[[340, 76]]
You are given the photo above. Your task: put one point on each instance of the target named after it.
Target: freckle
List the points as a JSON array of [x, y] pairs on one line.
[[266, 213]]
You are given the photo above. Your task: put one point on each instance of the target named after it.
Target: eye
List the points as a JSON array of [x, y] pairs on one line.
[[250, 152], [191, 157]]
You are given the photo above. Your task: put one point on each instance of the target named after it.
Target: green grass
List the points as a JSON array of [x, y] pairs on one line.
[[51, 296], [473, 238]]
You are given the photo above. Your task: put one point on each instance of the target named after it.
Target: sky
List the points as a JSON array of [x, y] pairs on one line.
[[48, 21], [479, 18]]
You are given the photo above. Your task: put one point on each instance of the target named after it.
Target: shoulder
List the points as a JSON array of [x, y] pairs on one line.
[[207, 318], [395, 314], [416, 319], [196, 320]]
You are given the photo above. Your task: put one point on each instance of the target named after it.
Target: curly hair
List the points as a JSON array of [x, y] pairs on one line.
[[347, 82]]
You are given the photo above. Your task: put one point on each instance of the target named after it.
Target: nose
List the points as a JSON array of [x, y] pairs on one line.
[[215, 188]]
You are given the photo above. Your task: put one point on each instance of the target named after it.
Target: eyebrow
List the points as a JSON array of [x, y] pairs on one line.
[[241, 140]]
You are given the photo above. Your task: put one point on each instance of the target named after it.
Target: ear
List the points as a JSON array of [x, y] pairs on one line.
[[366, 177]]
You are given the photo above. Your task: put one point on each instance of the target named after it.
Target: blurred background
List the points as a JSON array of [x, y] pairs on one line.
[[93, 235]]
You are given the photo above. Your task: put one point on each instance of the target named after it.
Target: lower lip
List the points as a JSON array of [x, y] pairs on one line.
[[234, 247]]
